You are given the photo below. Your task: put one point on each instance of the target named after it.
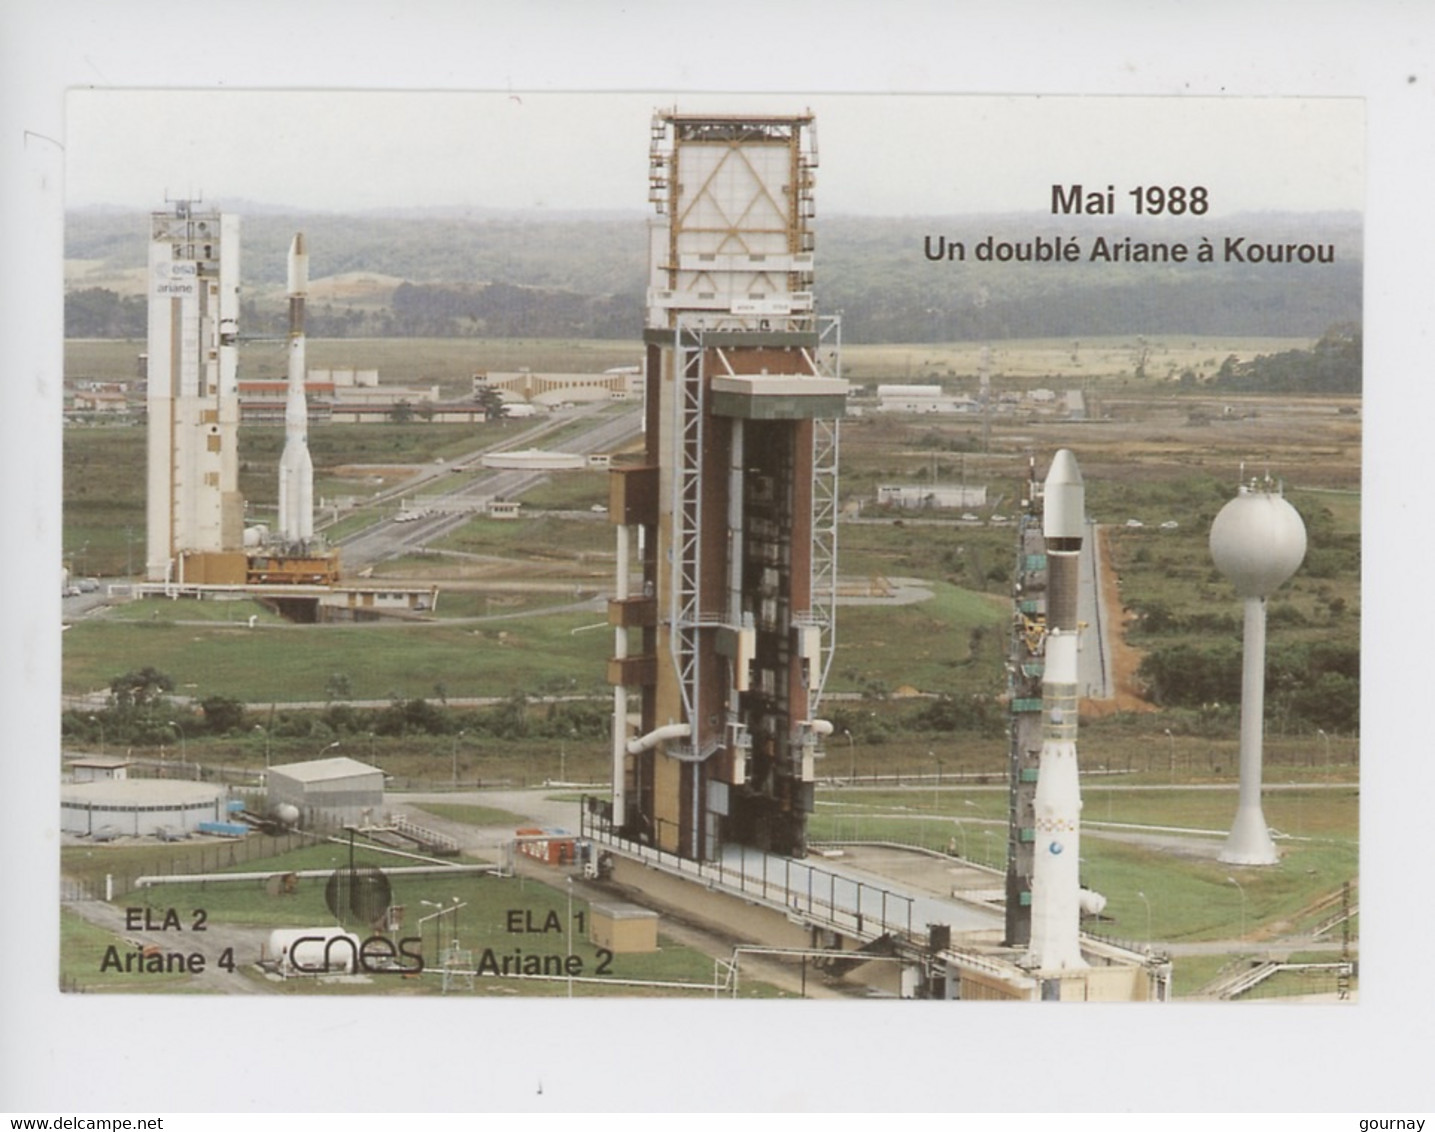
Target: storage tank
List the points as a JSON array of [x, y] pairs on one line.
[[318, 951]]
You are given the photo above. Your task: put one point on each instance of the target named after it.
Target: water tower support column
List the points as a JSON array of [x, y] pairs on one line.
[[1250, 841]]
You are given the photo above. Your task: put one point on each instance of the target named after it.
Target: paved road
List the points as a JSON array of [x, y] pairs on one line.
[[454, 507], [243, 943]]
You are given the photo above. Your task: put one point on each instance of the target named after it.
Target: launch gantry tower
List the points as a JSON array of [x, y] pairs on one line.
[[735, 500]]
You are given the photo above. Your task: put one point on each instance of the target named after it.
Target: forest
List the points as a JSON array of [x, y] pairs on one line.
[[477, 274]]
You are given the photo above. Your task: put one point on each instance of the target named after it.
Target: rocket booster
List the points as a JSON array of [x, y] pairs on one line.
[[1056, 870], [296, 469]]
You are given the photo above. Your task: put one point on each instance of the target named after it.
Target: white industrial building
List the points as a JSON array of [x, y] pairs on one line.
[[932, 495], [98, 769], [532, 459], [620, 383], [347, 396], [335, 791], [922, 399]]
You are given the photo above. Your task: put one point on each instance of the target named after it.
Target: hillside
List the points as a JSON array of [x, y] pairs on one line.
[[505, 275]]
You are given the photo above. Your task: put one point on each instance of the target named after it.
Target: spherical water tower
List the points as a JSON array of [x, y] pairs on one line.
[[1258, 542]]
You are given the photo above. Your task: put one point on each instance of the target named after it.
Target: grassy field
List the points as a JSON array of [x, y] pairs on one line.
[[1190, 898], [951, 643], [282, 663], [1312, 811], [472, 815], [570, 491], [974, 557], [104, 477], [1034, 361], [162, 610], [538, 539]]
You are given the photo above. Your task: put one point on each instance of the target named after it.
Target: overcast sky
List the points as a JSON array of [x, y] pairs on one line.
[[879, 154]]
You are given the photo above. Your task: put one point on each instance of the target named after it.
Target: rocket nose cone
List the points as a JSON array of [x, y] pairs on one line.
[[1063, 470], [298, 266], [1064, 507]]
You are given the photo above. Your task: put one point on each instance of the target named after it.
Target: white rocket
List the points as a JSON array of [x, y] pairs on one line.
[[296, 469], [1056, 867]]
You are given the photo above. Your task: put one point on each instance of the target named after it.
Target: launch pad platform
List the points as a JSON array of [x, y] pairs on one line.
[[950, 947]]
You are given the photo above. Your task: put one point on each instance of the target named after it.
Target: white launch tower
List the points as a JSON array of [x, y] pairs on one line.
[[296, 468], [193, 500]]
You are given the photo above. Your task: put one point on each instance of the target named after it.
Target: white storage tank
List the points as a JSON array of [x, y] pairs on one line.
[[313, 951], [138, 807]]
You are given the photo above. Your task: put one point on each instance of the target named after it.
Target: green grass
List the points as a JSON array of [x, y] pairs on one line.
[[91, 863], [1331, 814], [104, 485], [1194, 899], [1190, 899], [360, 520], [472, 815], [928, 646], [570, 491], [1189, 973], [226, 610], [293, 663], [963, 555], [1304, 813], [1028, 362], [540, 538]]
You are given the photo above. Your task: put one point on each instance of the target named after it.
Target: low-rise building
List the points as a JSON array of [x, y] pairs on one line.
[[335, 791]]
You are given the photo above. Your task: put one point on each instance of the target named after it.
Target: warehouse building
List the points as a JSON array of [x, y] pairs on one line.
[[335, 791]]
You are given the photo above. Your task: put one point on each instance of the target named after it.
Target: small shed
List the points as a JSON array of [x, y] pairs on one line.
[[623, 929], [100, 770], [551, 846], [333, 791]]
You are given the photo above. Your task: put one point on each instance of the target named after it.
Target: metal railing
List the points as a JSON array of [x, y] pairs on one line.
[[816, 896]]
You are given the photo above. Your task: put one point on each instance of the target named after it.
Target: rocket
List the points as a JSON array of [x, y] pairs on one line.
[[296, 469], [1056, 870]]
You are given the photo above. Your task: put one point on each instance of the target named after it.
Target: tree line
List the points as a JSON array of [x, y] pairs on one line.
[[1332, 365], [140, 711], [1309, 686], [512, 276]]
